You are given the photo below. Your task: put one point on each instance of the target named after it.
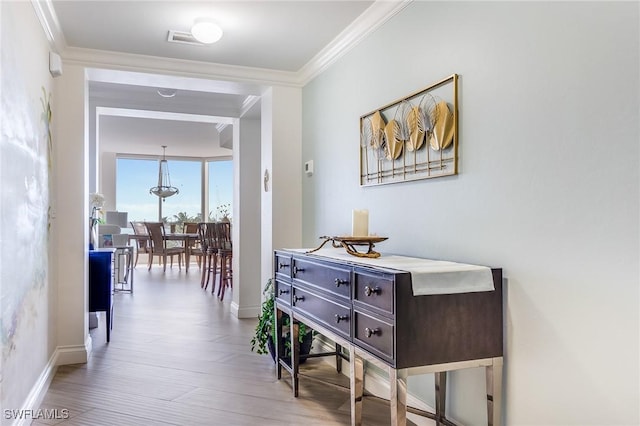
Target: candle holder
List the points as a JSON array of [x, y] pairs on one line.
[[350, 243]]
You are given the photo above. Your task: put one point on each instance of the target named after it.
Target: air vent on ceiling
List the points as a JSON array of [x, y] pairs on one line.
[[182, 37]]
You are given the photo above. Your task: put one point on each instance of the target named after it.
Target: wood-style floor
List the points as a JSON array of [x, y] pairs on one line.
[[178, 357]]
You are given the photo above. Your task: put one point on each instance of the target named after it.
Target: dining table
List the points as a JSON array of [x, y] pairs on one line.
[[187, 242]]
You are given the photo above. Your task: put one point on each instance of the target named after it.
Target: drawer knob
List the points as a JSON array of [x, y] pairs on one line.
[[340, 282], [341, 318], [283, 265], [370, 332], [298, 298], [296, 270], [281, 291], [369, 291]]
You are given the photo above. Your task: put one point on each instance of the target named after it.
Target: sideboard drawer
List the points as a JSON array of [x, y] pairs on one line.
[[335, 316], [283, 266], [375, 291], [331, 278], [283, 292], [374, 334]]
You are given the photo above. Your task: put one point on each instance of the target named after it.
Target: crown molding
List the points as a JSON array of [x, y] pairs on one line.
[[179, 67], [162, 115], [248, 103], [370, 20], [50, 24]]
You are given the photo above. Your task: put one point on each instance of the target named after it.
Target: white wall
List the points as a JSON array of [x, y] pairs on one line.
[[27, 277], [547, 190], [281, 128], [107, 181], [246, 218], [71, 160]]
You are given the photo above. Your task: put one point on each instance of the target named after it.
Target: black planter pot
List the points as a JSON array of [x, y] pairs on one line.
[[305, 347], [272, 348]]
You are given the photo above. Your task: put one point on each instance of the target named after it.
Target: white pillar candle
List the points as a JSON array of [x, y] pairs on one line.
[[360, 223]]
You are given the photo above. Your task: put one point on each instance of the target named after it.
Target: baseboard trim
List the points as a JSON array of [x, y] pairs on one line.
[[62, 355], [74, 354], [38, 391], [244, 312]]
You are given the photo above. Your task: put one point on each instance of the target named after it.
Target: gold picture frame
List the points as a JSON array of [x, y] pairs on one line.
[[412, 138]]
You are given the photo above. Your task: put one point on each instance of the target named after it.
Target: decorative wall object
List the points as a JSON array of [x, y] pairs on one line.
[[46, 117], [25, 199], [412, 138]]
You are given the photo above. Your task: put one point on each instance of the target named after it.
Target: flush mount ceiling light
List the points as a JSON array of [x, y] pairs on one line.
[[206, 31], [167, 93]]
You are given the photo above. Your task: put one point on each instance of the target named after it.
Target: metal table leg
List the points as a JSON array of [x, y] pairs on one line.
[[295, 357], [279, 347], [398, 397], [494, 392], [356, 382], [441, 396]]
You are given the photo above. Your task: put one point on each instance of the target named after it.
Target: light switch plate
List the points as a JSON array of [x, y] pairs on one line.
[[308, 167]]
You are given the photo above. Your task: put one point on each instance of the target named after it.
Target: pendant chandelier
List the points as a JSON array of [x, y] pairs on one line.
[[164, 188]]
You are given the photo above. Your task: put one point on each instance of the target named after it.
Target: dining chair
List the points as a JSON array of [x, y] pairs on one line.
[[225, 253], [159, 245], [142, 244], [195, 246], [202, 239], [210, 238], [190, 227]]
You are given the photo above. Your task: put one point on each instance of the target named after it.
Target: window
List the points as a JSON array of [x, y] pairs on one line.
[[134, 177], [220, 188], [186, 206]]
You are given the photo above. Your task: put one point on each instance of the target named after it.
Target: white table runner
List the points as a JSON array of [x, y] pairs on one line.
[[427, 276]]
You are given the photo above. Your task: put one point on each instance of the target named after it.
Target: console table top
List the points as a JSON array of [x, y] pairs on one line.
[[427, 276]]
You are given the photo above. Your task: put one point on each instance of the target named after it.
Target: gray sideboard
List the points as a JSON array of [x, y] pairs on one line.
[[373, 313]]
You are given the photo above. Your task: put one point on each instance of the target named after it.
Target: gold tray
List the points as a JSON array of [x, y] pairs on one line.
[[349, 244]]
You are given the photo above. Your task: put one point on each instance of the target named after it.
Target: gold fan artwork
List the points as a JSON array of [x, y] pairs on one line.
[[412, 125], [372, 135], [377, 129], [417, 127], [412, 138], [442, 134], [420, 121], [393, 144]]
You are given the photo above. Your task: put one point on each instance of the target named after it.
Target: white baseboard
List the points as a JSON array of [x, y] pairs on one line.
[[62, 355], [39, 390], [74, 354], [244, 312]]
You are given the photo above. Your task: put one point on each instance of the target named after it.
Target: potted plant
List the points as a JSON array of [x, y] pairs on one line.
[[264, 338]]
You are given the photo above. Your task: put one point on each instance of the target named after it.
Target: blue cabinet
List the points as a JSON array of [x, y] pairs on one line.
[[101, 284]]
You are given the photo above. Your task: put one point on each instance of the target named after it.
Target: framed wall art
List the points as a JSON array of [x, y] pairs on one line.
[[412, 138]]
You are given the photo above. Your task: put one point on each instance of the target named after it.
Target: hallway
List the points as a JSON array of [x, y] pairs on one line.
[[177, 357]]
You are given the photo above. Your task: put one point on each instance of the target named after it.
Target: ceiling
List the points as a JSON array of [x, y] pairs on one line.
[[277, 35], [281, 38]]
